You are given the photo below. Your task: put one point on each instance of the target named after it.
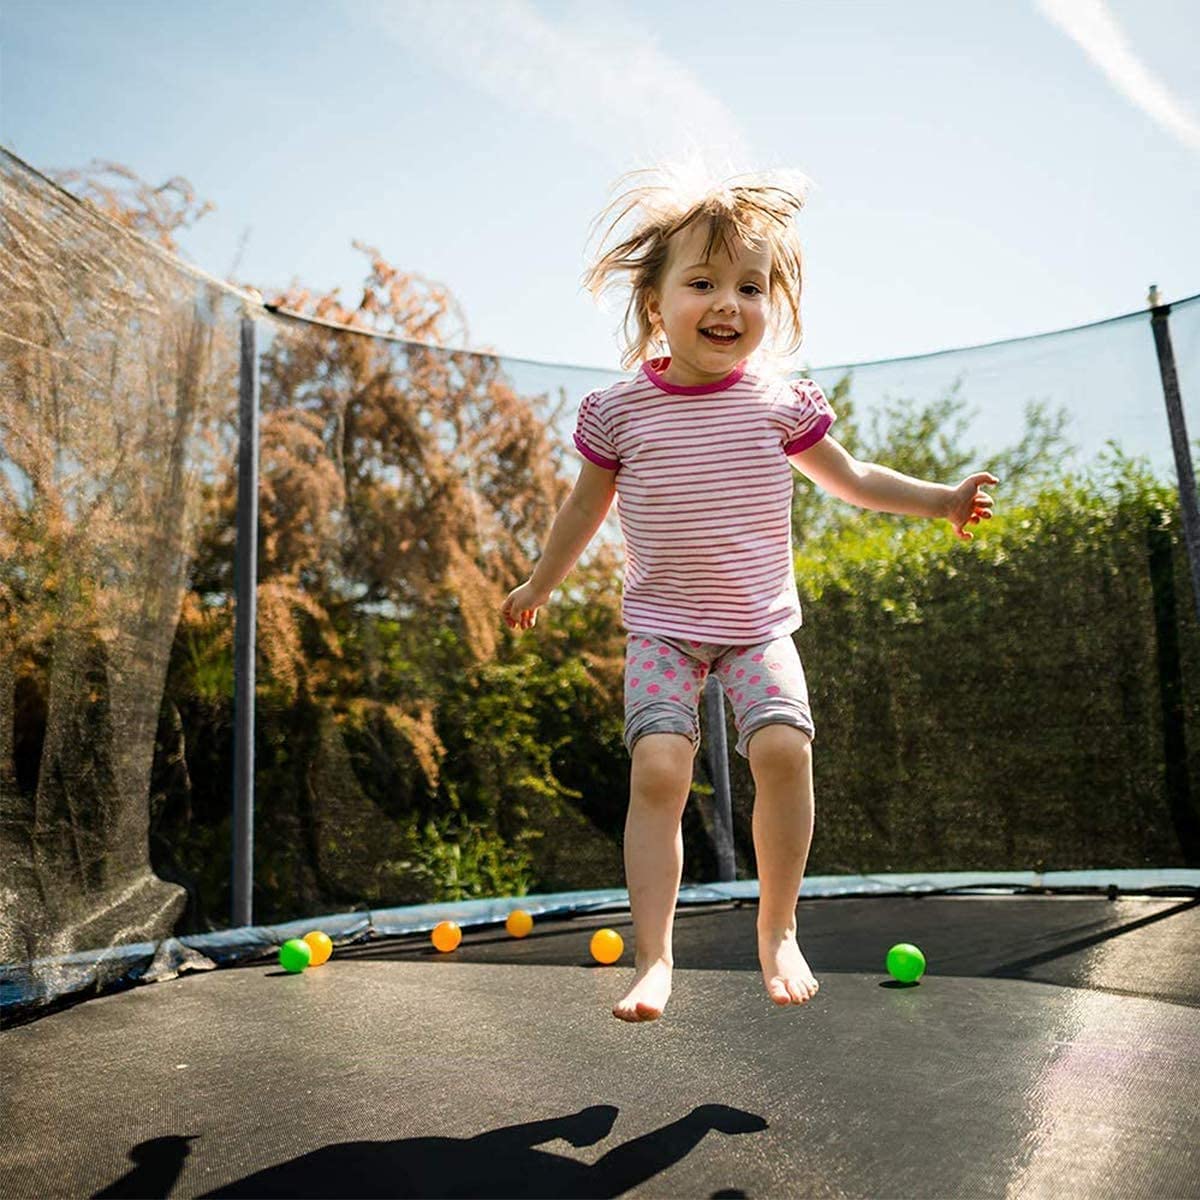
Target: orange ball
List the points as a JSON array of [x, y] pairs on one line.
[[320, 945], [518, 923], [607, 946], [446, 936]]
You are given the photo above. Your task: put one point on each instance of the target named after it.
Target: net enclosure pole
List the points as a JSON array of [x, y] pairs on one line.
[[718, 766], [244, 627], [1159, 321]]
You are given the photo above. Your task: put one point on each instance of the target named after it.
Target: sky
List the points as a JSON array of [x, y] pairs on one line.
[[979, 170]]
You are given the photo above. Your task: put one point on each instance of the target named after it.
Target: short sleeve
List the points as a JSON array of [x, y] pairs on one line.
[[592, 437], [809, 416]]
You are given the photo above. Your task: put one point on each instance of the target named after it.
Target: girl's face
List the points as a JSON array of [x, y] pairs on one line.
[[714, 313]]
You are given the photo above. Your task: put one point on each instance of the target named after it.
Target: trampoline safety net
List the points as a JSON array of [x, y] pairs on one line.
[[1025, 702]]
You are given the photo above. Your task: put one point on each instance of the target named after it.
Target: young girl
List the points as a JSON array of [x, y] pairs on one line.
[[699, 445]]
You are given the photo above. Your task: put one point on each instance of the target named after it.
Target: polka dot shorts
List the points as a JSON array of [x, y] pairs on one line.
[[664, 679]]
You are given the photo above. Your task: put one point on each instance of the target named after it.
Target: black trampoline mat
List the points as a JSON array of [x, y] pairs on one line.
[[1051, 1050]]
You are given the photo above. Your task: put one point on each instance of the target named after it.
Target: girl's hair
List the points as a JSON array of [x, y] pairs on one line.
[[759, 210]]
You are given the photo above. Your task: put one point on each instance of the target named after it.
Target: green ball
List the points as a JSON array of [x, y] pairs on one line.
[[905, 962], [295, 955]]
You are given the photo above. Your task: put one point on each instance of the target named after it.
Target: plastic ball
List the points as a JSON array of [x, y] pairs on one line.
[[518, 923], [607, 946], [295, 955], [446, 936], [905, 962], [320, 945]]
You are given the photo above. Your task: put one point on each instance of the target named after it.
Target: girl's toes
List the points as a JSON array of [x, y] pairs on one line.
[[778, 991], [797, 991]]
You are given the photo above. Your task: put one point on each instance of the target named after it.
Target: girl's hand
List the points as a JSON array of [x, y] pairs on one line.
[[969, 505], [520, 608]]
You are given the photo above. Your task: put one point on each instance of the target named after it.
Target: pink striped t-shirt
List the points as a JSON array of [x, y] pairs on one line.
[[704, 495]]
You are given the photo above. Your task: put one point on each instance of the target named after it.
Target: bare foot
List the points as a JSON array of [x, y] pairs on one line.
[[647, 997], [786, 974]]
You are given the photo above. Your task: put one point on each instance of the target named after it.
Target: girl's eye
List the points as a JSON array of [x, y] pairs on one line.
[[699, 283], [752, 289]]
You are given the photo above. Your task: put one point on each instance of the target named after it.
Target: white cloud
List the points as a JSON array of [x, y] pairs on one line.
[[593, 68], [1091, 24]]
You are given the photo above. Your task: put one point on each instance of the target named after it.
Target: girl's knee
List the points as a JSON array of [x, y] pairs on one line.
[[662, 764], [779, 748]]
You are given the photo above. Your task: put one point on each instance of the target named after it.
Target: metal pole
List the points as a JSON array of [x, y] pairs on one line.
[[1159, 314], [246, 579], [718, 766]]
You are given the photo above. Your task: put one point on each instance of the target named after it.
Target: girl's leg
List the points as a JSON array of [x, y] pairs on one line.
[[660, 782], [781, 763]]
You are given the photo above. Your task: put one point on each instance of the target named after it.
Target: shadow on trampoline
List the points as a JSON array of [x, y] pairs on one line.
[[158, 1163], [502, 1162]]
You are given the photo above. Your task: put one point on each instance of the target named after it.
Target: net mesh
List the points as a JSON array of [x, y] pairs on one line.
[[118, 385], [1027, 702]]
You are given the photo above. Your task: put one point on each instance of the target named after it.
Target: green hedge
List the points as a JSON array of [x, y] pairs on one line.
[[1007, 702]]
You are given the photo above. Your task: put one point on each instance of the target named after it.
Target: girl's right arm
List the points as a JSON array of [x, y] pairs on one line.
[[580, 516]]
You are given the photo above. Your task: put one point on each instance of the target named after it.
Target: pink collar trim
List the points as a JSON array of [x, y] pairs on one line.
[[654, 368]]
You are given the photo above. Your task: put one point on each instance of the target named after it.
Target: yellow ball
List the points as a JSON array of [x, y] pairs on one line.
[[446, 936], [518, 923], [607, 946], [320, 945]]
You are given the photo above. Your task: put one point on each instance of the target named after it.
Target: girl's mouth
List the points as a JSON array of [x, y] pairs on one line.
[[721, 339]]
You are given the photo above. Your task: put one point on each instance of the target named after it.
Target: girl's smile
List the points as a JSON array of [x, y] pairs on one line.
[[721, 334]]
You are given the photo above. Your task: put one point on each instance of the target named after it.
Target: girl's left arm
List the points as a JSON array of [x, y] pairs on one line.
[[832, 467]]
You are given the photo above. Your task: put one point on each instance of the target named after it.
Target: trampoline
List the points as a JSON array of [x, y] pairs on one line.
[[1030, 706], [1050, 1049]]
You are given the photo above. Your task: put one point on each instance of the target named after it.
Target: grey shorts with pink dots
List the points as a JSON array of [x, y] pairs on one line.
[[665, 676]]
